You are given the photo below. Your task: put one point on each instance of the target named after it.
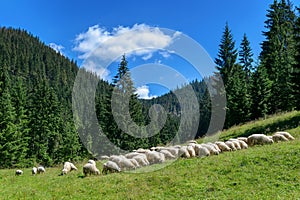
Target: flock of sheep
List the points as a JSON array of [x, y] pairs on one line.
[[144, 157]]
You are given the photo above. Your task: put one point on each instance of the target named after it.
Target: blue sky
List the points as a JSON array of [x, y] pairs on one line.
[[73, 24]]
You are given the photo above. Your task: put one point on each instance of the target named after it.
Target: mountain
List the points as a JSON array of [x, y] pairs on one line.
[[36, 111]]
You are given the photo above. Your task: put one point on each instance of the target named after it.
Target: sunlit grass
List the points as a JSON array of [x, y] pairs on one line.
[[260, 172]]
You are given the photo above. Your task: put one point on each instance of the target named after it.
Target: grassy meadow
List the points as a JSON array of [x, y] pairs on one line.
[[260, 172]]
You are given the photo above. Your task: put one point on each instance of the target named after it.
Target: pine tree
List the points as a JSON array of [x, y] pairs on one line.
[[260, 93], [238, 97], [278, 54], [234, 78], [246, 56], [227, 55], [13, 144], [296, 70], [127, 109]]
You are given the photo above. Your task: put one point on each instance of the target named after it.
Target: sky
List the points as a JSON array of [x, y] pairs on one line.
[[167, 43]]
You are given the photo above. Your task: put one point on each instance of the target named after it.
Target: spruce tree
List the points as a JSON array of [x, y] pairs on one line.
[[234, 78], [227, 55], [246, 56], [13, 144], [296, 70], [260, 93], [278, 54], [127, 109]]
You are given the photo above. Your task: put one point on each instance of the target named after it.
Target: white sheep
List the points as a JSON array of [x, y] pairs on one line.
[[191, 151], [34, 171], [140, 150], [18, 172], [245, 139], [104, 157], [89, 169], [236, 143], [259, 139], [68, 167], [154, 157], [92, 162], [192, 142], [173, 150], [286, 134], [134, 162], [183, 152], [222, 146], [41, 170], [230, 145], [278, 137], [132, 154], [215, 146], [141, 159], [125, 164], [243, 144], [201, 151], [111, 167], [211, 148], [168, 154]]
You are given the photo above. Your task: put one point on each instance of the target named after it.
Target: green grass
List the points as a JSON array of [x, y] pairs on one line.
[[266, 126], [260, 172]]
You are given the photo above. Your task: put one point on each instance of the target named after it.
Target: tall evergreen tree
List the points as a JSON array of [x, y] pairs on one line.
[[13, 144], [234, 78], [246, 56], [296, 70], [278, 53], [227, 55], [260, 93], [127, 109]]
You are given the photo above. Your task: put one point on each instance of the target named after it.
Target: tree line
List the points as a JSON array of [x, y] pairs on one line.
[[271, 86], [38, 125]]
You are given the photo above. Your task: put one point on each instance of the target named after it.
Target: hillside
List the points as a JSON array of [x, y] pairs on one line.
[[260, 172]]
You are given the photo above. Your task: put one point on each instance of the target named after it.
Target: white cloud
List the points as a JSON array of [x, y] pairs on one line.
[[58, 48], [143, 92], [140, 39]]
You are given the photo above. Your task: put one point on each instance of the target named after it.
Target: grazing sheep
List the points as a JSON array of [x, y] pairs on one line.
[[18, 172], [243, 144], [104, 157], [192, 142], [125, 164], [230, 145], [211, 149], [245, 139], [132, 154], [141, 150], [191, 151], [259, 139], [168, 154], [286, 134], [89, 169], [173, 150], [201, 151], [183, 152], [142, 160], [116, 159], [216, 147], [111, 167], [34, 171], [41, 170], [222, 146], [68, 166], [154, 157], [278, 137], [92, 162], [236, 143], [134, 162]]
